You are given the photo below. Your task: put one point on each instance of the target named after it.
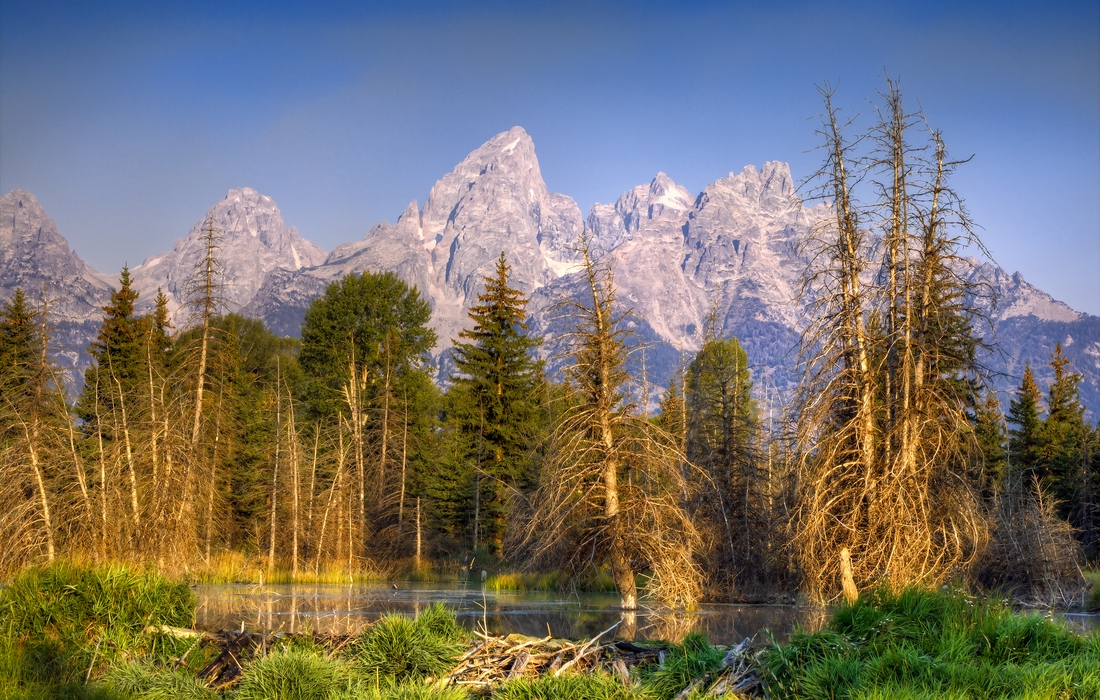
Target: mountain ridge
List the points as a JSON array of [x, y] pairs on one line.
[[730, 253]]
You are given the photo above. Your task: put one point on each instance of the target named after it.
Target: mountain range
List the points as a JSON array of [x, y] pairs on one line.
[[730, 253]]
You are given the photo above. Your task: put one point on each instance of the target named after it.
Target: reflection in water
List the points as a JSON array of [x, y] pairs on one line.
[[346, 609]]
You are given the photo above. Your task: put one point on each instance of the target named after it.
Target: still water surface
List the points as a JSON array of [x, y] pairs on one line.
[[346, 609], [338, 609]]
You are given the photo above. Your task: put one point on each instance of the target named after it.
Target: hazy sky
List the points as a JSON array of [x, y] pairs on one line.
[[128, 121]]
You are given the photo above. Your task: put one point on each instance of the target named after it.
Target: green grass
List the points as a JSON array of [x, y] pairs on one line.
[[65, 623], [142, 680], [570, 686], [693, 658], [293, 674], [922, 644]]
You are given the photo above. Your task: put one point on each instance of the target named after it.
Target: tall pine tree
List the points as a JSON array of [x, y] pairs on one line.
[[496, 401], [118, 355], [1025, 439], [990, 460], [1064, 434]]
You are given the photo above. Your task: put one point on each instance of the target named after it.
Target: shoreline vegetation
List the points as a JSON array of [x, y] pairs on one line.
[[69, 630]]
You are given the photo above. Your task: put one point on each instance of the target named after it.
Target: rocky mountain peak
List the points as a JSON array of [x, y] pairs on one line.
[[34, 255], [611, 225], [771, 189], [254, 240]]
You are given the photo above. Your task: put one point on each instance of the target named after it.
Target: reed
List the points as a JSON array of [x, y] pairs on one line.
[[599, 582]]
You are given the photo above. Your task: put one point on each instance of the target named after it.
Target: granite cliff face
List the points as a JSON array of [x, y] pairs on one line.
[[36, 258], [729, 253]]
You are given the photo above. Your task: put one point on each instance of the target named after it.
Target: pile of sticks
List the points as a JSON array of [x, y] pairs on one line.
[[494, 660]]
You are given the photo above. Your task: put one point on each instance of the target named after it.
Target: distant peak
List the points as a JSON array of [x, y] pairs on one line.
[[245, 193], [508, 142]]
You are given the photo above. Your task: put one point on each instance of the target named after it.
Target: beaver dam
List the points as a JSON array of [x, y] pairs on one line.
[[491, 661]]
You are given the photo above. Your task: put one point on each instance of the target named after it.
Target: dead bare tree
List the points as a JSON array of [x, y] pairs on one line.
[[611, 491], [889, 348]]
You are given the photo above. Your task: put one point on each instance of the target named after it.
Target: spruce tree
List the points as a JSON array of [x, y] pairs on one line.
[[990, 457], [497, 408], [118, 354], [1025, 440], [1064, 434], [19, 343]]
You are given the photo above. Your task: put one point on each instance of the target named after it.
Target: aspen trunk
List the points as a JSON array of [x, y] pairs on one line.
[[44, 501], [129, 452]]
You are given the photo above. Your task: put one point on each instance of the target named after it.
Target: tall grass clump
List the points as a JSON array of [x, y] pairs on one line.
[[692, 659], [142, 680], [293, 674], [921, 643], [570, 686], [64, 619], [398, 647]]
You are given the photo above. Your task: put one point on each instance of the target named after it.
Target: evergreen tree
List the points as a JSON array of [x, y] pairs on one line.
[[496, 403], [161, 326], [1025, 452], [990, 457], [32, 408], [721, 417], [672, 415], [1064, 434], [118, 355], [364, 356], [19, 344]]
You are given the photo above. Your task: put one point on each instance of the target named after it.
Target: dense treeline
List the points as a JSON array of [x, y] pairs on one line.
[[339, 453]]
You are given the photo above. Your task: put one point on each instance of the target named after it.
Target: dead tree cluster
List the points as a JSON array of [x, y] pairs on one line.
[[890, 360]]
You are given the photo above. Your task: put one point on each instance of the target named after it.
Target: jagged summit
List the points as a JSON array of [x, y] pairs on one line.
[[613, 224], [254, 242], [33, 256], [494, 200]]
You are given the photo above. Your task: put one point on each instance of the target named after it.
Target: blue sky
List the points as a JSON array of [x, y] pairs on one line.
[[128, 120]]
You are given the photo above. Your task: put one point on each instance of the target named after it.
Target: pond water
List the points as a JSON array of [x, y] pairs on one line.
[[346, 609]]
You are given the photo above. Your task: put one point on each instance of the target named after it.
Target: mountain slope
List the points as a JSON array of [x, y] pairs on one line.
[[494, 200]]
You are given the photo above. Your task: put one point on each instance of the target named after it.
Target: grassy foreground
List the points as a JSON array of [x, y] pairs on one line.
[[79, 632]]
